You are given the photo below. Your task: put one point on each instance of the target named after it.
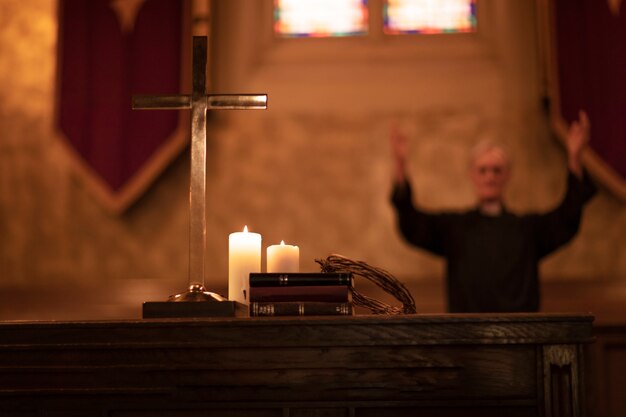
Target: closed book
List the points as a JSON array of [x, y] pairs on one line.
[[325, 293], [294, 279], [304, 308]]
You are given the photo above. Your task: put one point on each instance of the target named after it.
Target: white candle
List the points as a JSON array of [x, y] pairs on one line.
[[283, 258], [244, 256]]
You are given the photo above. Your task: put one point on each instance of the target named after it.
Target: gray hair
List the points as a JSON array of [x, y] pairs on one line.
[[485, 146]]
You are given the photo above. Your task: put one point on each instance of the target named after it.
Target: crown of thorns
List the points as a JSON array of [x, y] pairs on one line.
[[380, 277]]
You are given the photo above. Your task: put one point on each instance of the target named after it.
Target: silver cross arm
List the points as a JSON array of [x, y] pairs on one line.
[[213, 102]]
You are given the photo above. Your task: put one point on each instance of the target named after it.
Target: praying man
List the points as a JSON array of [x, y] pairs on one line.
[[492, 254]]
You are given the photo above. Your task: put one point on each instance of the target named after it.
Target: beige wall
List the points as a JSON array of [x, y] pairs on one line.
[[312, 170]]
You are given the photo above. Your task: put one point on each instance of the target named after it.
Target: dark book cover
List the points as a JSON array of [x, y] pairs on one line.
[[294, 279], [325, 293], [304, 308]]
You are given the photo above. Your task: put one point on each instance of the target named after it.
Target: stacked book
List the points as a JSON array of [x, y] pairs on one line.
[[300, 294]]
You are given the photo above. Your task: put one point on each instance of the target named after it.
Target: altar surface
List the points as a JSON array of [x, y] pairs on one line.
[[365, 366]]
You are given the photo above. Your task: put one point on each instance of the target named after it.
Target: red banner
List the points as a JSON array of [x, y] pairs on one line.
[[108, 51], [586, 52]]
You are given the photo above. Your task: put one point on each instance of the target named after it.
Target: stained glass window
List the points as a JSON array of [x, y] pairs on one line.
[[320, 18], [429, 16]]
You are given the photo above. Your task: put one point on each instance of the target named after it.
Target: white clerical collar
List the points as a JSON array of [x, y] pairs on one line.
[[491, 209]]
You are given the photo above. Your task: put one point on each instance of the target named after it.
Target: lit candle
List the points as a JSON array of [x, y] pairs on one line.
[[283, 258], [244, 256]]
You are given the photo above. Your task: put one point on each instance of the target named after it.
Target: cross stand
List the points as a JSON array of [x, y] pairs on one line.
[[196, 301]]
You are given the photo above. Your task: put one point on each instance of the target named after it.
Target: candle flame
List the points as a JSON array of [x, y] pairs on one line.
[[282, 243], [245, 229]]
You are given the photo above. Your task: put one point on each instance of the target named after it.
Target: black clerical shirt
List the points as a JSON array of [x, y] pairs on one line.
[[492, 261]]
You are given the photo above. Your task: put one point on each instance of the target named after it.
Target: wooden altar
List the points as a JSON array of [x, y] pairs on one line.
[[363, 366]]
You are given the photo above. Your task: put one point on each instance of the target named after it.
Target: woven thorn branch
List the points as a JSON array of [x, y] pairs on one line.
[[380, 277]]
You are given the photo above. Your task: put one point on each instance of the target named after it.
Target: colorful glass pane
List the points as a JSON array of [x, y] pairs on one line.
[[320, 18], [429, 16]]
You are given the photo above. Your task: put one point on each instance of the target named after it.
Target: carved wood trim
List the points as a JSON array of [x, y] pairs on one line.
[[561, 381]]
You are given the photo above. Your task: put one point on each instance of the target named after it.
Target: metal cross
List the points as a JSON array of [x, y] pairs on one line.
[[199, 102]]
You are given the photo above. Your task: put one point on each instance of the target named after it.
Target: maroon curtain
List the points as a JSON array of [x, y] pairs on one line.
[[591, 58], [101, 65]]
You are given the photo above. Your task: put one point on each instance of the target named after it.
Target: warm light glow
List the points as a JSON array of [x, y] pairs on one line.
[[429, 16], [320, 18], [283, 258], [244, 256]]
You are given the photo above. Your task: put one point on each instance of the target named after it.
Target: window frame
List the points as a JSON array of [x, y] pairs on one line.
[[375, 25], [375, 44]]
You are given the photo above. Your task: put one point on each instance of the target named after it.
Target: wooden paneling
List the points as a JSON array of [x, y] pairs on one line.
[[347, 366], [606, 363]]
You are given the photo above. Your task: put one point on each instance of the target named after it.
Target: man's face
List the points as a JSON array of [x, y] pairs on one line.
[[490, 173]]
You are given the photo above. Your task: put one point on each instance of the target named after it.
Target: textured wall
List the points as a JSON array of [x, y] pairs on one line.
[[52, 231], [313, 170]]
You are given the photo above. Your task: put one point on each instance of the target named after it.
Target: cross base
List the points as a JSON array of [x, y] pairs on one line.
[[196, 292], [195, 302]]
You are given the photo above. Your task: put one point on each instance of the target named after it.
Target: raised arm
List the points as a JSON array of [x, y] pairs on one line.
[[576, 142], [422, 229], [560, 225], [399, 153]]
